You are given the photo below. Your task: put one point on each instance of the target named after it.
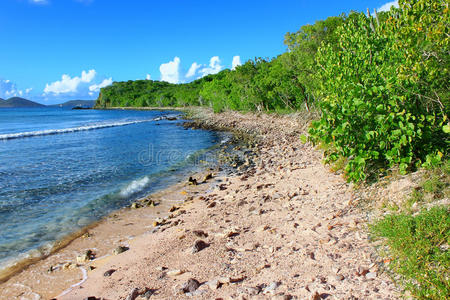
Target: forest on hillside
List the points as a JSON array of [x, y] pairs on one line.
[[380, 82]]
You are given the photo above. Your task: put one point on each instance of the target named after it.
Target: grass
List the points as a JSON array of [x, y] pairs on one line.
[[417, 242], [435, 185], [418, 250]]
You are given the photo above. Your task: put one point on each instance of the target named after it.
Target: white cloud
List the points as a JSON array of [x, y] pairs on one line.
[[193, 69], [213, 68], [87, 77], [9, 89], [148, 77], [68, 84], [387, 6], [236, 62], [97, 87], [170, 71]]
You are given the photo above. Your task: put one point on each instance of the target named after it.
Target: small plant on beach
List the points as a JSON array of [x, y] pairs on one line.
[[418, 251]]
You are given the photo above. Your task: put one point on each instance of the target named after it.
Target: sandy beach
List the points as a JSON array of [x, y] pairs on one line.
[[283, 226]]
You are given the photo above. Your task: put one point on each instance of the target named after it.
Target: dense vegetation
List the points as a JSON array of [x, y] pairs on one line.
[[380, 82]]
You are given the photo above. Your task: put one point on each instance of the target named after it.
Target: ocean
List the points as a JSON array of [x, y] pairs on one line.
[[62, 169]]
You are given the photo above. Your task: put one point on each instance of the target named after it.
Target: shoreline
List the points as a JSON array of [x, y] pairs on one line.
[[43, 259], [284, 227], [62, 264]]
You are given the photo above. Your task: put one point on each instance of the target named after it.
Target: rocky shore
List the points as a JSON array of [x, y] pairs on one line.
[[282, 227]]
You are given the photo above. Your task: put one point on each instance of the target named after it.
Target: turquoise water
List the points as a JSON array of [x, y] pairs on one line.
[[63, 169]]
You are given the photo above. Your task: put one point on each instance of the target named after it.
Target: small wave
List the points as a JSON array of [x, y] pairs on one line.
[[135, 187], [19, 135]]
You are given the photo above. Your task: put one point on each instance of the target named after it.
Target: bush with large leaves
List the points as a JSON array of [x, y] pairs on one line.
[[385, 90]]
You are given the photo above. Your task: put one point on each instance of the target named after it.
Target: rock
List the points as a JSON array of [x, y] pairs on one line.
[[371, 275], [230, 232], [86, 256], [51, 269], [120, 249], [86, 235], [149, 202], [222, 187], [270, 289], [212, 204], [173, 208], [339, 277], [69, 265], [192, 181], [147, 293], [213, 284], [133, 295], [200, 233], [190, 286], [158, 222], [224, 280], [262, 228], [311, 255], [174, 272], [316, 296], [207, 177], [362, 271], [136, 205], [109, 272], [199, 246], [91, 298], [237, 279], [251, 291]]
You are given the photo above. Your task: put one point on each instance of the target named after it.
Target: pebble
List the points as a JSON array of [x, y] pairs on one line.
[[120, 249], [213, 284], [86, 256], [109, 273], [190, 286], [371, 275], [133, 295], [316, 296], [199, 246], [339, 277], [67, 266], [200, 233], [174, 272], [251, 291], [270, 289]]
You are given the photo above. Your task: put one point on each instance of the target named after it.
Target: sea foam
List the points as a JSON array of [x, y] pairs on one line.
[[19, 135], [135, 187]]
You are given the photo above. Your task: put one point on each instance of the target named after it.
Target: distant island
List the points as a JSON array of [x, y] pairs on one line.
[[17, 102], [75, 103]]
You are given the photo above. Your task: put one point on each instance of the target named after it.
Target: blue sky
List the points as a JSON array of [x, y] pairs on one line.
[[54, 50]]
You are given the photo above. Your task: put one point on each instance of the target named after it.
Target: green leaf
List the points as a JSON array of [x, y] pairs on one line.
[[303, 138]]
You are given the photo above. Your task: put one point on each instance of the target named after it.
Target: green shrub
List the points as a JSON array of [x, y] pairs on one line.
[[385, 90], [418, 249]]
